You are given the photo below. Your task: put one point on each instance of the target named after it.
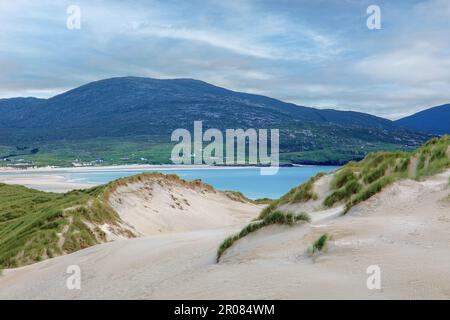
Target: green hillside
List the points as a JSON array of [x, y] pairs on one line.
[[130, 120]]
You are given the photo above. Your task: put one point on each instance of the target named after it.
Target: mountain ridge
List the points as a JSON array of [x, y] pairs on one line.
[[141, 110], [435, 120], [310, 113]]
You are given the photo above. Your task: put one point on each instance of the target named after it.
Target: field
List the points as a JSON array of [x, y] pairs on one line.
[[157, 150]]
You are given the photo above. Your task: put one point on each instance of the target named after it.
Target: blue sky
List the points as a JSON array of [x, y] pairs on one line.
[[314, 53]]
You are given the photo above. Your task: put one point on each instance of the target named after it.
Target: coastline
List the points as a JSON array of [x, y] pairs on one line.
[[61, 179], [130, 167], [45, 182]]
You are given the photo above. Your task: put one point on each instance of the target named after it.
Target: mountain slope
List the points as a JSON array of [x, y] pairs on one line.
[[143, 109], [125, 102], [434, 120]]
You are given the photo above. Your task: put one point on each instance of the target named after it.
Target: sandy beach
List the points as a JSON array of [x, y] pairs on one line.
[[45, 182], [405, 230], [128, 167], [56, 179]]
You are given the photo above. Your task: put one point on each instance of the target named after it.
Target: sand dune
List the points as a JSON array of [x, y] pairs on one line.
[[160, 205], [405, 230]]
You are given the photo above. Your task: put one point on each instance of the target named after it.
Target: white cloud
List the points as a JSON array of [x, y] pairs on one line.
[[303, 53], [413, 65], [215, 39], [433, 9]]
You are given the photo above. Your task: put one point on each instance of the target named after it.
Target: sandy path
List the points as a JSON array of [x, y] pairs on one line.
[[405, 230]]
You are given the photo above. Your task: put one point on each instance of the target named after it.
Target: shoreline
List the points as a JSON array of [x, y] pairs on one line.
[[45, 182], [58, 179], [138, 167]]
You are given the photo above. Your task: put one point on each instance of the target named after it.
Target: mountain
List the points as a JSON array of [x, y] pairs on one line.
[[435, 120], [132, 114]]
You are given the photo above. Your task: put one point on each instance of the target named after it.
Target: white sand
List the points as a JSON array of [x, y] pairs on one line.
[[45, 179], [405, 230], [160, 206], [44, 182], [128, 167]]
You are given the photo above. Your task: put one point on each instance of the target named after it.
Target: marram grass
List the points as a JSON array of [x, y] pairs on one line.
[[319, 244], [276, 217]]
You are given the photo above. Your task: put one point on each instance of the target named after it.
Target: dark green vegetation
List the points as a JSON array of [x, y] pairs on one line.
[[276, 217], [319, 244], [302, 193], [99, 151], [358, 181], [344, 183], [381, 169], [31, 220], [130, 120], [263, 201]]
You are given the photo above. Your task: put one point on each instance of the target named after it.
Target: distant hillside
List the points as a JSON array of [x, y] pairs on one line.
[[434, 120], [126, 119]]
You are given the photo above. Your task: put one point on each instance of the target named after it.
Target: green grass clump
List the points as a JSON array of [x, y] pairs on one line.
[[433, 157], [375, 173], [403, 164], [319, 244], [276, 217], [263, 201], [302, 193], [269, 209], [371, 190], [344, 193], [342, 177], [380, 169], [433, 167]]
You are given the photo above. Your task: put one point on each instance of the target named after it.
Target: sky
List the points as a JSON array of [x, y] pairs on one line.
[[313, 53]]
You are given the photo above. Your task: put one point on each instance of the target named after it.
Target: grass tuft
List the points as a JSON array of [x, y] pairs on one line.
[[302, 193], [350, 187], [276, 217], [319, 244]]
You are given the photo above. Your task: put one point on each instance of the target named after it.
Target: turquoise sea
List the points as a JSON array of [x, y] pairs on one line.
[[246, 180]]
